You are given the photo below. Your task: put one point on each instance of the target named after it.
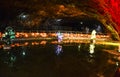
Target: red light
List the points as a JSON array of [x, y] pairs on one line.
[[110, 8]]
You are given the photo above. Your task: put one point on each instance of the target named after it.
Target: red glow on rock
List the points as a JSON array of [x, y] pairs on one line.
[[111, 7]]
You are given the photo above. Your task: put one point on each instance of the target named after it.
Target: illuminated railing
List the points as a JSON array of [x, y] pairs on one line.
[[64, 42], [53, 35]]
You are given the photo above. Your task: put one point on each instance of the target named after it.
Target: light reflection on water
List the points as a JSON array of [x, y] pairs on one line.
[[38, 59], [58, 50]]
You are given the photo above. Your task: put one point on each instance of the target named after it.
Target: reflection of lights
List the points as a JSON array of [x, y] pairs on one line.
[[26, 43], [65, 34], [119, 48], [6, 47], [17, 44], [117, 64], [91, 55], [91, 59], [79, 47], [110, 43], [91, 48], [23, 52], [93, 37], [67, 37], [33, 43], [58, 20], [36, 43], [54, 42], [12, 45], [58, 49], [70, 41], [43, 34], [53, 34], [12, 58], [43, 42]]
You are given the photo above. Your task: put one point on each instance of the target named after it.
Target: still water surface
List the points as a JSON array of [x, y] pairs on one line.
[[57, 60]]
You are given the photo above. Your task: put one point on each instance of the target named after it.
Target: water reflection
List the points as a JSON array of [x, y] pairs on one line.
[[9, 59], [93, 36], [119, 48], [91, 58], [58, 50], [10, 56], [93, 41], [38, 59], [79, 46], [91, 48], [117, 73]]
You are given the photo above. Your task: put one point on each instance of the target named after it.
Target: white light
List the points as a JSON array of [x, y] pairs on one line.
[[58, 20], [79, 47], [6, 33], [24, 16], [117, 63], [81, 22], [93, 34], [23, 53]]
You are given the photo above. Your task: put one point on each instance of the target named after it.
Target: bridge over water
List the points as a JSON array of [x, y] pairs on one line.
[[60, 38], [66, 35]]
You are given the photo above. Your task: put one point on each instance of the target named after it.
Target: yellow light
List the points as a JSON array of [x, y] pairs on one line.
[[37, 33], [32, 43], [36, 43], [17, 44], [91, 48], [12, 45], [0, 46], [16, 35], [110, 43], [33, 34], [26, 35], [43, 42], [54, 42], [43, 34], [26, 43]]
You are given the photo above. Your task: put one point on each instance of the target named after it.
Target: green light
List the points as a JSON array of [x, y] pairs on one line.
[[12, 37]]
